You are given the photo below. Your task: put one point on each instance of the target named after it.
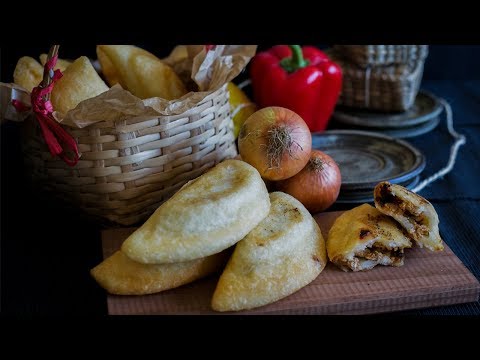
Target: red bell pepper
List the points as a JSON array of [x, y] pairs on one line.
[[303, 80]]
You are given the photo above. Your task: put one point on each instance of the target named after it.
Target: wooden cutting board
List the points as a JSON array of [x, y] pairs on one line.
[[427, 279]]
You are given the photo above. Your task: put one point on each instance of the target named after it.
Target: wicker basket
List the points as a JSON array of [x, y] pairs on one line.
[[380, 55], [384, 88], [123, 176]]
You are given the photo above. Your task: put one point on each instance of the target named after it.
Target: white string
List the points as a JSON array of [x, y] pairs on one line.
[[459, 141]]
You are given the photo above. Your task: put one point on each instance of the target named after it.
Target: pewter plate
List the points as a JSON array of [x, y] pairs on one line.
[[426, 108], [366, 158]]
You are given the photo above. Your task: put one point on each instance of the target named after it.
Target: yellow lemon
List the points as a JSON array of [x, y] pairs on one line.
[[241, 107]]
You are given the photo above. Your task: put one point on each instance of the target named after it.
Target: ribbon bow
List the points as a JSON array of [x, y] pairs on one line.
[[53, 133]]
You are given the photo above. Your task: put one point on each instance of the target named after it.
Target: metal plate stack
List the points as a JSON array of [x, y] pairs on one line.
[[367, 158]]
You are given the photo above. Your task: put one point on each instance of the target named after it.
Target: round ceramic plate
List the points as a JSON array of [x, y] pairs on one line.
[[425, 108], [366, 158]]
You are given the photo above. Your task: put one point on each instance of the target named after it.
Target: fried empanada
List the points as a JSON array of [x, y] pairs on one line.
[[206, 216], [120, 275], [109, 70], [79, 82], [156, 79], [140, 72], [28, 73], [363, 237], [284, 253], [61, 64], [413, 212]]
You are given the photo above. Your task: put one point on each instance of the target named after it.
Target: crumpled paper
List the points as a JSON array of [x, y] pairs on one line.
[[209, 70]]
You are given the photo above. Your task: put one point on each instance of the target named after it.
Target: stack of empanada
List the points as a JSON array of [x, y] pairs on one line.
[[280, 247], [184, 239]]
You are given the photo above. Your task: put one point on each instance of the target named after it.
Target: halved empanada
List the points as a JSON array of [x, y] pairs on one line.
[[412, 211], [363, 237], [206, 216], [120, 275], [285, 252]]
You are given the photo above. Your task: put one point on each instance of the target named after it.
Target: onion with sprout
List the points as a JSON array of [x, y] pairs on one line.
[[276, 141]]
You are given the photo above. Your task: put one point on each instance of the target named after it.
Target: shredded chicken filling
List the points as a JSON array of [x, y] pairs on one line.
[[377, 254]]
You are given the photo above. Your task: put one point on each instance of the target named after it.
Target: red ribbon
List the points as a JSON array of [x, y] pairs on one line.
[[21, 107], [53, 133]]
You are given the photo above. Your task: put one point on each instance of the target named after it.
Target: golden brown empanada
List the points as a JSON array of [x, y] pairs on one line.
[[28, 73], [140, 72], [79, 82], [120, 275], [284, 253], [206, 216]]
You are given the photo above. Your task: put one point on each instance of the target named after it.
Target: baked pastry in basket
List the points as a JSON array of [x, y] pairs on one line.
[[412, 211], [363, 237], [140, 72], [79, 82], [28, 73], [284, 253]]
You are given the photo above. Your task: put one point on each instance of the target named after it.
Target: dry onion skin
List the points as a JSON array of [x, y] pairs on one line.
[[317, 186], [276, 141]]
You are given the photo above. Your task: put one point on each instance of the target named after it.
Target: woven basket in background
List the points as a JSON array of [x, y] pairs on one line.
[[380, 55], [128, 169], [384, 88]]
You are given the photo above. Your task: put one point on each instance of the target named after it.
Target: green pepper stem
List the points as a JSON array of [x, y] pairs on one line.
[[295, 62]]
